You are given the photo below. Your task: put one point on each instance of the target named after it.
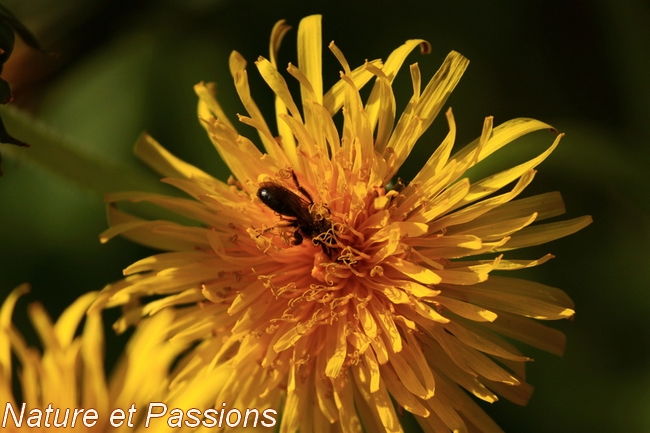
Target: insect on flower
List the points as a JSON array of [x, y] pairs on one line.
[[401, 308], [298, 212]]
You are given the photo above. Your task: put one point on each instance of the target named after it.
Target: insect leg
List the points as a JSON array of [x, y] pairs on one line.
[[302, 190]]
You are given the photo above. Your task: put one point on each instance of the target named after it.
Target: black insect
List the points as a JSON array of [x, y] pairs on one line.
[[298, 212]]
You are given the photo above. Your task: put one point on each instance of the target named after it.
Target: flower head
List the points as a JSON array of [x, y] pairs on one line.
[[69, 376], [336, 291]]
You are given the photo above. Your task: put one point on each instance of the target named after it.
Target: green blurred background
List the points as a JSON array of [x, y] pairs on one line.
[[116, 68]]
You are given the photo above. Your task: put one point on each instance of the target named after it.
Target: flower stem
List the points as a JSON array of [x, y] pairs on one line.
[[57, 154]]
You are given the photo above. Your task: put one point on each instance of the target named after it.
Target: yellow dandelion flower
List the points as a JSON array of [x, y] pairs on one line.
[[65, 387], [335, 293]]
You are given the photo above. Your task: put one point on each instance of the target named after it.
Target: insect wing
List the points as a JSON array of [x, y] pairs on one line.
[[284, 202]]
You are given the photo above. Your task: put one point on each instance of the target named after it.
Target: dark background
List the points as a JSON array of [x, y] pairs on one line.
[[116, 68]]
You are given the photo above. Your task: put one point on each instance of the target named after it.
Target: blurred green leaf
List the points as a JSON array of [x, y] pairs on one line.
[[7, 40], [8, 24], [55, 153], [10, 19]]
